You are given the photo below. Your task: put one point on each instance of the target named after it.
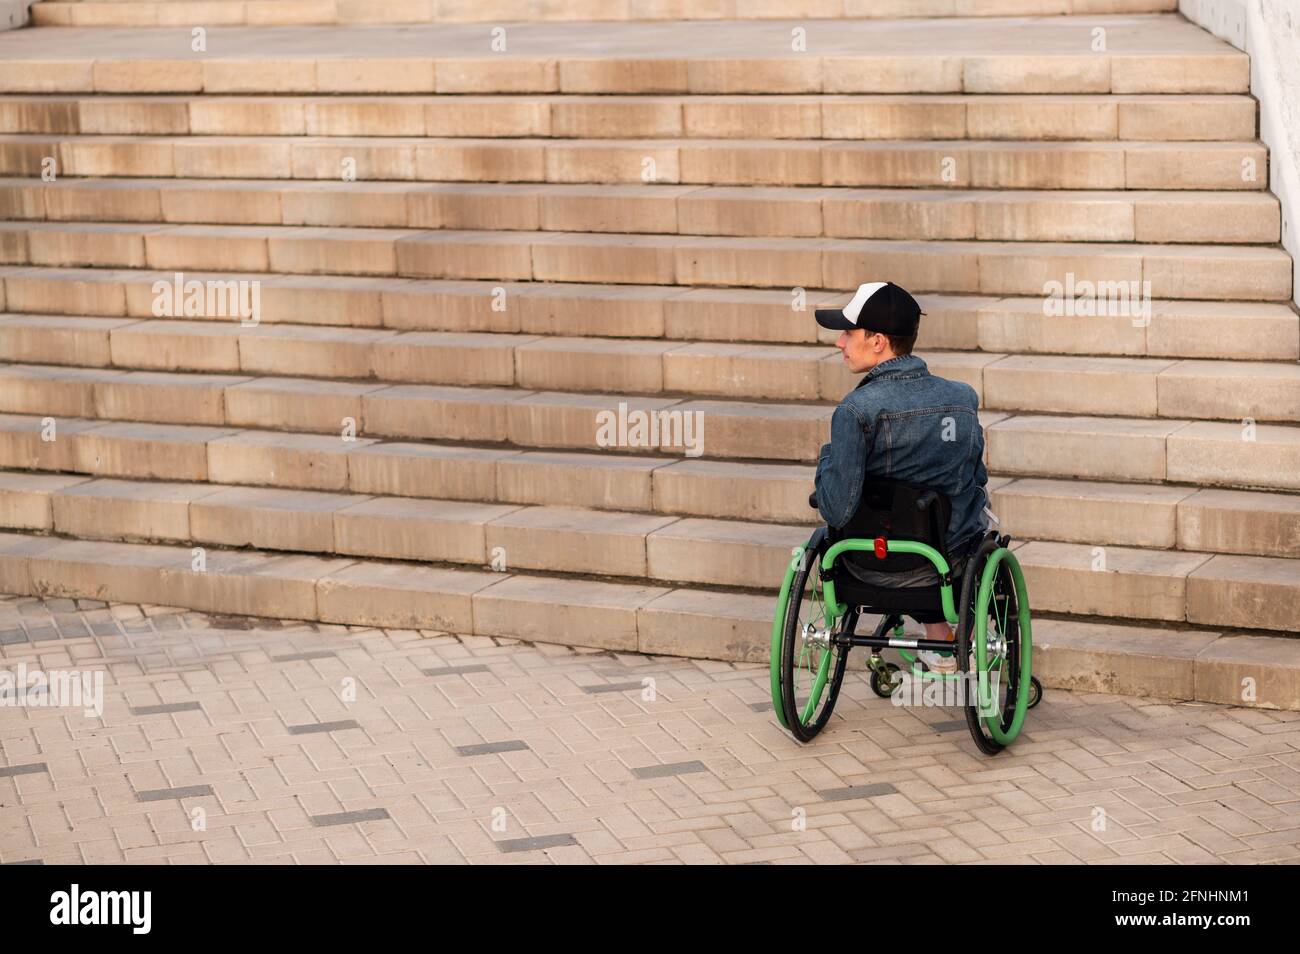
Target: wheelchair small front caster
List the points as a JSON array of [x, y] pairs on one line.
[[1035, 692], [888, 685]]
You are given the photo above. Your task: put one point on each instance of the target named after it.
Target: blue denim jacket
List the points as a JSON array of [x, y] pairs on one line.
[[906, 424]]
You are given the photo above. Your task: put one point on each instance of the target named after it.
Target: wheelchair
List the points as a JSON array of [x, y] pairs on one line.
[[897, 529]]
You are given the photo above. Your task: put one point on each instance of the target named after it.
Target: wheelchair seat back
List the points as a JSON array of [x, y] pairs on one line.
[[897, 511]]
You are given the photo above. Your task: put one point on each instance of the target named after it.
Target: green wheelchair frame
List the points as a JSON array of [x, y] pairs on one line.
[[994, 632]]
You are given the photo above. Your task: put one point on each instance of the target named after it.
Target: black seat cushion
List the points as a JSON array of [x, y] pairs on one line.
[[906, 600]]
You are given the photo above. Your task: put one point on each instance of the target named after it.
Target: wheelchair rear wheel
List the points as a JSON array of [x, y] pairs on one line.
[[994, 646], [807, 666]]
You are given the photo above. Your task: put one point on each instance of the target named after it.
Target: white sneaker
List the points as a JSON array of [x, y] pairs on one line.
[[936, 663]]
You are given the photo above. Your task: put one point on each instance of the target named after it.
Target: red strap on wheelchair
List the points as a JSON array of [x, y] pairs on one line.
[[882, 548]]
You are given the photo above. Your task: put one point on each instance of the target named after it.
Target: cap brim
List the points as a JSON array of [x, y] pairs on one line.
[[833, 318]]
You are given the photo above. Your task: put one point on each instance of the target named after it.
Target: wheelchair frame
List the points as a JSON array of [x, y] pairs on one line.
[[988, 723]]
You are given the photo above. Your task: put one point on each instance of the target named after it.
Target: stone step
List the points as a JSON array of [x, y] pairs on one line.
[[1191, 664], [1241, 592], [1176, 329], [1166, 663], [1081, 580], [987, 215], [548, 609], [1143, 54], [1126, 387], [1223, 272], [1204, 453], [956, 164], [1144, 387], [1158, 516], [1072, 511], [89, 13], [1171, 117]]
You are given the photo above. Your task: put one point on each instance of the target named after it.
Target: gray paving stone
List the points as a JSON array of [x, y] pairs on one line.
[[664, 771], [537, 843], [32, 768], [857, 791], [349, 818], [950, 725], [310, 654], [453, 670], [166, 707], [338, 726], [612, 687], [165, 794], [490, 748]]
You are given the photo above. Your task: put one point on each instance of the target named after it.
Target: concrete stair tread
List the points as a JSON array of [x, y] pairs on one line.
[[1178, 328], [1142, 499], [1147, 515], [29, 388], [1195, 664], [1123, 386], [1064, 577], [1259, 272], [1062, 215], [941, 55], [88, 13], [1022, 164], [1169, 116]]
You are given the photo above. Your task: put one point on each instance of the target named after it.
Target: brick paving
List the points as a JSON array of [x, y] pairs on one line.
[[237, 740]]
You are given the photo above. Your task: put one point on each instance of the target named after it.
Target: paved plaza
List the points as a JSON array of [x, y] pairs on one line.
[[228, 739]]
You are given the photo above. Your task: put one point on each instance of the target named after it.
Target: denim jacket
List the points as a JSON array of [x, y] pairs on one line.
[[903, 423]]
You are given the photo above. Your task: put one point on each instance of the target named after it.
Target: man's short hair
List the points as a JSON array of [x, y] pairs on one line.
[[901, 344]]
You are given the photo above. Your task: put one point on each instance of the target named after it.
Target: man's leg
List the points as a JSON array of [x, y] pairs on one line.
[[933, 661], [939, 631]]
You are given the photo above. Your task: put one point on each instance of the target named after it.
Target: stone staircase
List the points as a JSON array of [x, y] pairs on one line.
[[135, 13], [466, 261]]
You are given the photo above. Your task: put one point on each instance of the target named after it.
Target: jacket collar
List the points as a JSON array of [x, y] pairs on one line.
[[903, 366]]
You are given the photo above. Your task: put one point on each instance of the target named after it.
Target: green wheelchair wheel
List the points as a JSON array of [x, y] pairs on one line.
[[994, 647], [807, 667]]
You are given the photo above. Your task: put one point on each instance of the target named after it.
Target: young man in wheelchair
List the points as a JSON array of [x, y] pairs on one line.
[[901, 424]]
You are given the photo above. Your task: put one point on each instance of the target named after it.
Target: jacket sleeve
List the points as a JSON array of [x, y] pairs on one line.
[[981, 472], [981, 478], [841, 467]]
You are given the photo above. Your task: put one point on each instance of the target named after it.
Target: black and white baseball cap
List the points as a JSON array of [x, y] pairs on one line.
[[877, 307]]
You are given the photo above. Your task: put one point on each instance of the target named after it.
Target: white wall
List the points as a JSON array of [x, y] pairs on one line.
[[14, 13], [1268, 30]]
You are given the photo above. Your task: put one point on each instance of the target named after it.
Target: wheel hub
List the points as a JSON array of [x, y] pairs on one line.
[[812, 636]]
